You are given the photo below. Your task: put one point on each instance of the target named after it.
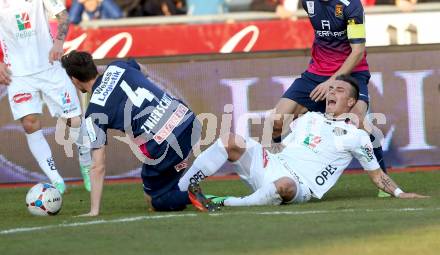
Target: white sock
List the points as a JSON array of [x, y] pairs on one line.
[[206, 164], [266, 195], [80, 137], [41, 151]]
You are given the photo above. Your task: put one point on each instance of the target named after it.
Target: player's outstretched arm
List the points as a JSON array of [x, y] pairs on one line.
[[63, 27], [97, 174], [385, 183]]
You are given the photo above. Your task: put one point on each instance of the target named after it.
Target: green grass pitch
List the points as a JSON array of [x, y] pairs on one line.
[[349, 220]]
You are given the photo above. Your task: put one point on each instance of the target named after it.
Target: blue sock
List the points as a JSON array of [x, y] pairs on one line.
[[378, 153], [173, 200]]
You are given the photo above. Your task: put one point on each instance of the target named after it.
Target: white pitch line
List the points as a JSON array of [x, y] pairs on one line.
[[270, 213], [95, 222]]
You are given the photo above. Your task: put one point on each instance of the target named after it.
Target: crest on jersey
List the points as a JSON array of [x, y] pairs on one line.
[[311, 141], [339, 10], [339, 131], [310, 7], [23, 21]]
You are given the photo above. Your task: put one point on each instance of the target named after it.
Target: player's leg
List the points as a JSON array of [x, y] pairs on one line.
[[251, 163], [173, 200], [40, 149], [207, 163], [27, 106], [271, 193], [78, 132], [294, 102], [62, 100]]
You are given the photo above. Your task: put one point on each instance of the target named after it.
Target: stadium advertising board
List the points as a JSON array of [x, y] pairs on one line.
[[243, 36], [404, 87]]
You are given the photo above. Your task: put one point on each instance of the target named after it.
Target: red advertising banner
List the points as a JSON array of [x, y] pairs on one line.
[[184, 39], [232, 94]]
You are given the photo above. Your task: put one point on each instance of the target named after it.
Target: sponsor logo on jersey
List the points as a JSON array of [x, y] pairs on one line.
[[310, 8], [22, 97], [328, 171], [23, 21], [328, 33], [339, 10], [24, 26], [65, 98], [157, 114], [311, 141], [109, 82], [181, 166], [339, 131], [367, 152], [171, 124]]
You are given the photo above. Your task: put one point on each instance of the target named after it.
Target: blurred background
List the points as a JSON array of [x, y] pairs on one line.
[[246, 53]]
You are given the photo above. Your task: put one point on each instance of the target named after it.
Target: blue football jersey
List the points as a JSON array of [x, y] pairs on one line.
[[337, 24], [123, 98]]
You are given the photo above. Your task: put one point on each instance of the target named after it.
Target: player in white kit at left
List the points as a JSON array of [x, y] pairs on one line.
[[33, 74]]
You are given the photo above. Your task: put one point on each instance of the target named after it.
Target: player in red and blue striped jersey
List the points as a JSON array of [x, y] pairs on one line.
[[338, 48]]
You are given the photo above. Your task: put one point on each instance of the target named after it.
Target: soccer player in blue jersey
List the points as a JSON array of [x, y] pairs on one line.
[[338, 48], [163, 128]]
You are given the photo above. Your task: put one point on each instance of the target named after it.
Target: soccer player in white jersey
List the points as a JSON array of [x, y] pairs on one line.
[[316, 152], [33, 74]]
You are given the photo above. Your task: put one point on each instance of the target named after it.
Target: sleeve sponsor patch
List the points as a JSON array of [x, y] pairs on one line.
[[367, 152]]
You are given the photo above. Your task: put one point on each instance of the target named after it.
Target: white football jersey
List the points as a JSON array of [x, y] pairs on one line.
[[25, 35], [319, 149]]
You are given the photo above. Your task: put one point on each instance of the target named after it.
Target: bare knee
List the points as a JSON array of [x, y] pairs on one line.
[[286, 188], [31, 123], [235, 146]]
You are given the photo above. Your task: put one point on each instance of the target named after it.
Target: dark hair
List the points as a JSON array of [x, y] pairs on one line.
[[353, 82], [79, 64]]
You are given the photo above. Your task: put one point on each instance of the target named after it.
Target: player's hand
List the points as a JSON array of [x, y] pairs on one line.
[[5, 74], [411, 196], [56, 52], [320, 92]]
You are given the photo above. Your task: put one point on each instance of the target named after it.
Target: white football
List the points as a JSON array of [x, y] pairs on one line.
[[44, 199]]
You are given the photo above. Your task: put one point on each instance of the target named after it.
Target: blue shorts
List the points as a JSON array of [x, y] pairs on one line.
[[163, 177], [301, 88]]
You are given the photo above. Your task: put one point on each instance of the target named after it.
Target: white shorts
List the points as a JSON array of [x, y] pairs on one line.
[[27, 93], [257, 167]]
